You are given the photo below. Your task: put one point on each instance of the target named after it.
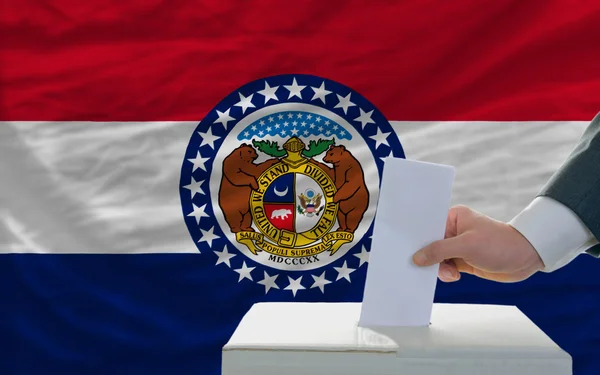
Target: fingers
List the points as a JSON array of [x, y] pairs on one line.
[[448, 272], [456, 214], [464, 267], [438, 251], [451, 227], [454, 245]]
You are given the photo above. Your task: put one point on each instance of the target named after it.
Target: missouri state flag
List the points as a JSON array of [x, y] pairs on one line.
[[164, 165]]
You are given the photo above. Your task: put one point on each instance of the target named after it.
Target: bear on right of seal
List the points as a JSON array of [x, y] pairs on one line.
[[352, 194]]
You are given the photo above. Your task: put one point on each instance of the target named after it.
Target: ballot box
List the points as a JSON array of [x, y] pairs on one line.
[[326, 339]]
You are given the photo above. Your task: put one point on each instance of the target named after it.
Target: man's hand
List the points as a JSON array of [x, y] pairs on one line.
[[481, 246]]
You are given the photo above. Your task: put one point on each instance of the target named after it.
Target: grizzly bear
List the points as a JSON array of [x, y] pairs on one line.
[[352, 194], [238, 181]]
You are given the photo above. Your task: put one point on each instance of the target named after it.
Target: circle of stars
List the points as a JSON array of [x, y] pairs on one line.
[[218, 123]]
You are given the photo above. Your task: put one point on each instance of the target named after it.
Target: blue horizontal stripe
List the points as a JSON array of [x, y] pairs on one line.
[[171, 314]]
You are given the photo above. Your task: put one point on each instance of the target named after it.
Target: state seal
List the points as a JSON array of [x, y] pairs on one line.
[[283, 177]]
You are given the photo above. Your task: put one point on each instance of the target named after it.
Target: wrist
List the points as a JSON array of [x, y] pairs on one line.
[[554, 231], [532, 260]]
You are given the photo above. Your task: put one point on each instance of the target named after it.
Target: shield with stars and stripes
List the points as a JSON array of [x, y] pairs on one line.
[[288, 171]]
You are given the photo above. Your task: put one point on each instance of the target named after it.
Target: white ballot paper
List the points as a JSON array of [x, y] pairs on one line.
[[413, 206]]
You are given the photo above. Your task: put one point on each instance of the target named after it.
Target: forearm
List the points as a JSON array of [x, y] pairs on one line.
[[564, 220], [554, 231], [577, 183]]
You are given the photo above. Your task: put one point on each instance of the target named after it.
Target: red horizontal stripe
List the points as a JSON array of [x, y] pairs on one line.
[[415, 60]]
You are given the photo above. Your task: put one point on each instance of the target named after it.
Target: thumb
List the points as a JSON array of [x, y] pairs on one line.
[[438, 251]]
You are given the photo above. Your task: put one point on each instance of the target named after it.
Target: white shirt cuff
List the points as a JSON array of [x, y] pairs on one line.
[[556, 233]]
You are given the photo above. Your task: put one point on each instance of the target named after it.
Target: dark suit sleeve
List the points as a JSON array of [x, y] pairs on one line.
[[577, 183]]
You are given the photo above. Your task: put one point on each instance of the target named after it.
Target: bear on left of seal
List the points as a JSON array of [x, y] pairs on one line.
[[238, 181]]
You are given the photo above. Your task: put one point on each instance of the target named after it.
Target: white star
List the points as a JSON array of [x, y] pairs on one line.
[[208, 138], [244, 272], [194, 187], [380, 138], [344, 103], [208, 236], [320, 92], [294, 131], [269, 282], [198, 212], [244, 102], [199, 162], [365, 118], [294, 89], [224, 256], [269, 92], [344, 272], [224, 118], [295, 285], [363, 256], [320, 282]]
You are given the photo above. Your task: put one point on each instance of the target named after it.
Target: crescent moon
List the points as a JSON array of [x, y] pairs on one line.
[[280, 193]]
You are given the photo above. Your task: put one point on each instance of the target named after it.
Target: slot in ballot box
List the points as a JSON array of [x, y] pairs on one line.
[[325, 339]]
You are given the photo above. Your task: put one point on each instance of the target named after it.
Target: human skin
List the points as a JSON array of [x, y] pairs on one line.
[[481, 246]]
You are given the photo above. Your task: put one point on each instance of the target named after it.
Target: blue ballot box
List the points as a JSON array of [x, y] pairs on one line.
[[325, 338]]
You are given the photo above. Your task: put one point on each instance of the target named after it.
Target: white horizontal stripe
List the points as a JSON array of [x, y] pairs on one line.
[[83, 187]]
